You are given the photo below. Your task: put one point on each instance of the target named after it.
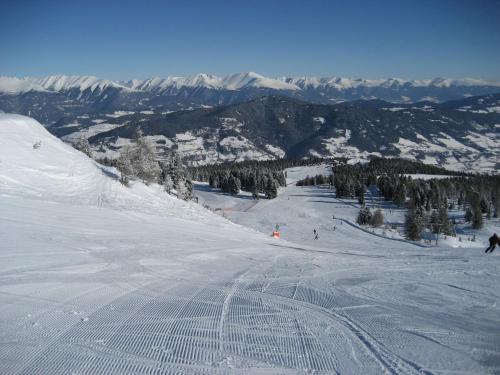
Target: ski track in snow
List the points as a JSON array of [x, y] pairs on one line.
[[251, 308], [133, 282]]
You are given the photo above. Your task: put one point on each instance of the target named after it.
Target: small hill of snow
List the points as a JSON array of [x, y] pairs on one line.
[[35, 164]]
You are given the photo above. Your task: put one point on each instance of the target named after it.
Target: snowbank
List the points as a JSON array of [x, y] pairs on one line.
[[35, 164]]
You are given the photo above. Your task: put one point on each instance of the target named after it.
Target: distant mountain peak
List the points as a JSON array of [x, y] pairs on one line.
[[232, 82]]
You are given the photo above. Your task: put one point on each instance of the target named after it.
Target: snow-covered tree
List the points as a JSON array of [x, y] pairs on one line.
[[124, 165], [377, 218], [139, 160], [144, 159], [168, 184], [174, 177], [82, 144]]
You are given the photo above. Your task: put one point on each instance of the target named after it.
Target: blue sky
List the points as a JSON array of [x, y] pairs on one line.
[[139, 39]]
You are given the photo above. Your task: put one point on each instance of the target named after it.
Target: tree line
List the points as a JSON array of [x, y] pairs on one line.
[[427, 201], [254, 176]]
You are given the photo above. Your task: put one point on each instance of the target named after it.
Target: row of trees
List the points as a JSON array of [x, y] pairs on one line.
[[203, 172], [319, 179], [428, 201], [254, 176], [366, 217]]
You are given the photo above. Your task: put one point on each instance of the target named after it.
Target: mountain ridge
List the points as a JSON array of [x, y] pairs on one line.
[[456, 135], [231, 82]]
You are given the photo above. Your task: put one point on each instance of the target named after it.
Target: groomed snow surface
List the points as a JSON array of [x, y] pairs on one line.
[[99, 278]]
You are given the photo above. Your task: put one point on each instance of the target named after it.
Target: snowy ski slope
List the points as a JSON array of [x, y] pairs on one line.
[[99, 278]]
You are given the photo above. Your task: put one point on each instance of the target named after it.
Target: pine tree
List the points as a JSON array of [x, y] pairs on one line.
[[139, 161], [82, 144], [477, 218], [144, 161], [400, 195], [443, 220], [360, 193], [184, 190], [364, 216], [468, 215], [213, 181], [414, 224], [271, 188], [168, 184], [174, 178], [434, 221], [234, 185], [124, 165], [477, 214]]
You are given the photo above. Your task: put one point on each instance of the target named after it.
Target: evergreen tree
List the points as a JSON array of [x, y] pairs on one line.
[[400, 195], [168, 184], [82, 144], [124, 165], [144, 162], [434, 221], [174, 177], [475, 206], [271, 188], [234, 185], [364, 216], [443, 220], [414, 224], [213, 181], [360, 193], [468, 215], [477, 217]]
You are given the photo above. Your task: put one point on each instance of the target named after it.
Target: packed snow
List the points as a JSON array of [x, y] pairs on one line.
[[96, 277]]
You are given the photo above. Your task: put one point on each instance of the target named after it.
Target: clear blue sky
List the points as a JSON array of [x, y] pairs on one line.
[[139, 39]]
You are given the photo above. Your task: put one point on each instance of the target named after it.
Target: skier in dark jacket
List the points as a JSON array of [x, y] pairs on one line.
[[494, 240]]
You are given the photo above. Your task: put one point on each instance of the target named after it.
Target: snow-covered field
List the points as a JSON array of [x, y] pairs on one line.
[[99, 278]]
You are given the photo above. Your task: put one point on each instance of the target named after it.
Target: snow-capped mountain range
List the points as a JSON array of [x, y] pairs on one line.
[[207, 81], [64, 96], [234, 82], [356, 118], [58, 83]]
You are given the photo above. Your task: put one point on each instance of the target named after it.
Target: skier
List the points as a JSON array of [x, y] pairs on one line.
[[316, 236], [494, 240]]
